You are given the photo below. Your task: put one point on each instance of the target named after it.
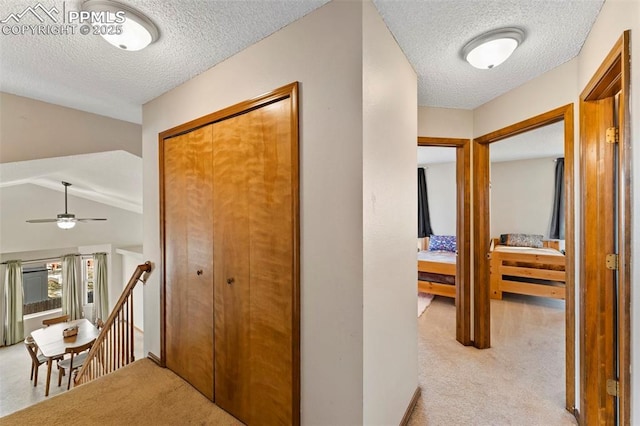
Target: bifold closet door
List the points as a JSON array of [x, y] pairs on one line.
[[188, 198], [254, 264]]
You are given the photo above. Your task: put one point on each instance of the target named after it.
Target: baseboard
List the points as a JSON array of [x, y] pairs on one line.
[[410, 407], [154, 358], [576, 414]]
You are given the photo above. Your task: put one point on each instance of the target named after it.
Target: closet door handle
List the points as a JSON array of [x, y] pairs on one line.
[[199, 272], [231, 280]]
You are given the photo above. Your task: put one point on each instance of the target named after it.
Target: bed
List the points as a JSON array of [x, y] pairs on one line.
[[533, 271], [437, 268]]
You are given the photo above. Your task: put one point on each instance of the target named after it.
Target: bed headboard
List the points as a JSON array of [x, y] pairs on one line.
[[554, 244]]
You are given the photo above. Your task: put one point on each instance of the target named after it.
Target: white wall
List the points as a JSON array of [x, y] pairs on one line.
[[445, 122], [615, 17], [323, 51], [31, 129], [522, 196], [131, 258], [390, 216], [441, 190]]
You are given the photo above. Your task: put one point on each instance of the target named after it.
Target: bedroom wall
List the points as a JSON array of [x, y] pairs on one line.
[[522, 196], [615, 17], [323, 51], [445, 122], [441, 190], [50, 130], [390, 364]]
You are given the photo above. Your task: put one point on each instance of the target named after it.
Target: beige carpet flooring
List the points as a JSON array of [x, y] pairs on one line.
[[139, 394], [518, 381]]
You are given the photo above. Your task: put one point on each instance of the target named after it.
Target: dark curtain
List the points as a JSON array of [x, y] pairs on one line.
[[424, 222], [557, 216]]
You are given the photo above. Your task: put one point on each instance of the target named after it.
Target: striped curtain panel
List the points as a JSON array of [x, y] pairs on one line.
[[13, 324], [100, 288], [71, 287]]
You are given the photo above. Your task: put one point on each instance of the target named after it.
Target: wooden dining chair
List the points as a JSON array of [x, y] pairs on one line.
[[36, 360], [75, 362], [56, 320]]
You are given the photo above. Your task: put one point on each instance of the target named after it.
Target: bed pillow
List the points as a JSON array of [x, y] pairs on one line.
[[442, 243], [522, 240]]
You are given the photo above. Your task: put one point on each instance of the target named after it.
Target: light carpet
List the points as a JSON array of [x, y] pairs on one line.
[[140, 394], [424, 300], [518, 381]]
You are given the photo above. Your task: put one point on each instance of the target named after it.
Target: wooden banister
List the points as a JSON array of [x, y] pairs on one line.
[[114, 347]]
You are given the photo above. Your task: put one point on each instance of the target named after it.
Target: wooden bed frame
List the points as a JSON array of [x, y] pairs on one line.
[[503, 264], [438, 289]]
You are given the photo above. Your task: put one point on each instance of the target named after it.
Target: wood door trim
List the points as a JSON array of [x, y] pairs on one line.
[[613, 76], [482, 313], [233, 110], [288, 91], [463, 231]]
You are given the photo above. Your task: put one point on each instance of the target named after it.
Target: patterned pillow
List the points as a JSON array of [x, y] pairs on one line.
[[442, 243], [522, 240]]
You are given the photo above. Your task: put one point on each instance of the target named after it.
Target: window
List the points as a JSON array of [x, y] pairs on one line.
[[87, 279], [42, 288]]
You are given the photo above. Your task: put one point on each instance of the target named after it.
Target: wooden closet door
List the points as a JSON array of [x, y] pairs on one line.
[[254, 265], [189, 257]]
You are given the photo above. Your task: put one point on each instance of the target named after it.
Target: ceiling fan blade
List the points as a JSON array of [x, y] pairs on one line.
[[87, 219], [42, 220]]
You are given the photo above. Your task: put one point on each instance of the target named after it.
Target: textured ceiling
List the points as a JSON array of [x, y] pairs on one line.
[[432, 33], [86, 73]]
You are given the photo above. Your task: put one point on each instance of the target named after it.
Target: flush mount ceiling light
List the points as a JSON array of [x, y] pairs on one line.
[[137, 31], [490, 49]]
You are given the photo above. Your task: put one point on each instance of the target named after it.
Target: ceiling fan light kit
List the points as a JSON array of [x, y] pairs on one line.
[[65, 220], [137, 30], [490, 49]]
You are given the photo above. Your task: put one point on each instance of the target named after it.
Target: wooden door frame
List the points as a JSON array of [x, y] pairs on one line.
[[612, 76], [482, 236], [463, 231], [289, 91]]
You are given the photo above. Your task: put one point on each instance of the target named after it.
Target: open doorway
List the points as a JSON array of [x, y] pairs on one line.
[[462, 283], [483, 237]]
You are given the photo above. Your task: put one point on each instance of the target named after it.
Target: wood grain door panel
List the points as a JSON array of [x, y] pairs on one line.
[[598, 241], [271, 261], [188, 219], [253, 228], [231, 262], [230, 236]]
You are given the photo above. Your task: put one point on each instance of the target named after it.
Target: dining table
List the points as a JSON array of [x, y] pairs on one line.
[[52, 343]]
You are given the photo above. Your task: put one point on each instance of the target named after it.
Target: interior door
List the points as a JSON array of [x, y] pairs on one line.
[[254, 264], [188, 257], [598, 277]]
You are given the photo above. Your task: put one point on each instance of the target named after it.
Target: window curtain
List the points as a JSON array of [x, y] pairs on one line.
[[100, 287], [13, 322], [71, 287], [424, 222], [557, 215]]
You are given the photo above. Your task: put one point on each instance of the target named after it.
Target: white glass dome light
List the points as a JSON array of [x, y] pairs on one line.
[[490, 49], [138, 31]]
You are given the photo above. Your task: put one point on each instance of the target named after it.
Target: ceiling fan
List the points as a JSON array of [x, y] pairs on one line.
[[64, 220]]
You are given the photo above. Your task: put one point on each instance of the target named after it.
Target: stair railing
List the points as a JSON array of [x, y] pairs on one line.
[[114, 346]]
